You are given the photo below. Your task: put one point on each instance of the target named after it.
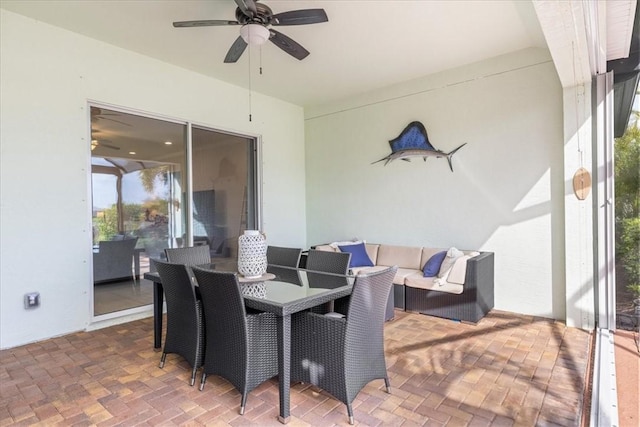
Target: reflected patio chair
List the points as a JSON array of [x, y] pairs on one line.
[[343, 354], [287, 257], [192, 255], [185, 320], [285, 274], [241, 347], [113, 260]]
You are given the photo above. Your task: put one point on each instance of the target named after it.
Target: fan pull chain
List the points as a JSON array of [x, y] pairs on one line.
[[260, 59]]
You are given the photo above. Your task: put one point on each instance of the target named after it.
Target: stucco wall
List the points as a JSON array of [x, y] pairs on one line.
[[505, 194], [47, 77]]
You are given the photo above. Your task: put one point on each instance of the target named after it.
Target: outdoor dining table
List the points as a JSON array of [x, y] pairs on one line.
[[290, 291]]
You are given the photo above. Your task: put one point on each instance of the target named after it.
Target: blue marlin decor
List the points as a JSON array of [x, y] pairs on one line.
[[414, 142]]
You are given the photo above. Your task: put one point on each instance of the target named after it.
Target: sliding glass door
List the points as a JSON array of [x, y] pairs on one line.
[[159, 184], [223, 195]]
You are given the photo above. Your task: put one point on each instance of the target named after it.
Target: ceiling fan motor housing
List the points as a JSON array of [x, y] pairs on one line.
[[263, 16]]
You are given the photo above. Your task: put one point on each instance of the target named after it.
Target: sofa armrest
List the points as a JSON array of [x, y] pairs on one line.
[[479, 279]]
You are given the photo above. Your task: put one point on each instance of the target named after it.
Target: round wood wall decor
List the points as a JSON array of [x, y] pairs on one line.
[[582, 183]]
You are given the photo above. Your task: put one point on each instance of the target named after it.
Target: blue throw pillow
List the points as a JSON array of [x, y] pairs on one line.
[[432, 267], [359, 256]]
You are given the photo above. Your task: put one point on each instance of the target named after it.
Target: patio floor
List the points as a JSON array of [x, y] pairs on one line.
[[507, 370]]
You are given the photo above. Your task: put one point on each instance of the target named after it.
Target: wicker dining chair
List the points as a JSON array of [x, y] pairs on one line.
[[342, 355], [328, 262], [287, 257], [241, 347], [185, 322], [191, 255]]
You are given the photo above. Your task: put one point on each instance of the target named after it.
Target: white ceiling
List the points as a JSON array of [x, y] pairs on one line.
[[365, 45]]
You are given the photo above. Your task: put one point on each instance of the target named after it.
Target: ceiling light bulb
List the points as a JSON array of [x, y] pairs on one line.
[[168, 143], [254, 34]]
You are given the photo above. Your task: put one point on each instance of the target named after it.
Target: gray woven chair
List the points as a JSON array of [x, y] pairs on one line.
[[241, 347], [287, 257], [192, 255], [114, 260], [342, 355], [329, 262], [185, 321]]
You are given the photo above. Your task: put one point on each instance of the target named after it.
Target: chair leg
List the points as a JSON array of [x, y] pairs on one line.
[[387, 384], [164, 356], [202, 381], [350, 413], [134, 286], [243, 403], [194, 371]]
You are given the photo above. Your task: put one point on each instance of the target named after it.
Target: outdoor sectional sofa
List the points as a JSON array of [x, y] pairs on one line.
[[466, 293]]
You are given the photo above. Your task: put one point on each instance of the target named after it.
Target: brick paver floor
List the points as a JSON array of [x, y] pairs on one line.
[[506, 370]]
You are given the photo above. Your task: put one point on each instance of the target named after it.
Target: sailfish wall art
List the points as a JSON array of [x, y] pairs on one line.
[[414, 142]]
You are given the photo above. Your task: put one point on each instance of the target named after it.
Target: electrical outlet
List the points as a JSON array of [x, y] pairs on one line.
[[31, 300]]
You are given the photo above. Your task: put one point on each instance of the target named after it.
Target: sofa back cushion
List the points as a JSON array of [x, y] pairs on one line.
[[372, 251], [402, 256], [327, 248]]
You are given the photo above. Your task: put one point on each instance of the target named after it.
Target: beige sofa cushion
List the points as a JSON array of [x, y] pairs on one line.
[[402, 256], [402, 274], [398, 279], [327, 248], [367, 270], [417, 280], [372, 251]]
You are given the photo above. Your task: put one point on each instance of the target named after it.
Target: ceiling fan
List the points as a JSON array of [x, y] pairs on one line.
[[95, 142], [98, 114], [256, 20]]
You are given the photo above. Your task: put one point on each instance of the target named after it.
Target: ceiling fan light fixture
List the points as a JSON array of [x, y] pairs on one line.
[[254, 34]]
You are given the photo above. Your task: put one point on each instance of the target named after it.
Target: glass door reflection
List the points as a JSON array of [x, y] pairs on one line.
[[137, 166]]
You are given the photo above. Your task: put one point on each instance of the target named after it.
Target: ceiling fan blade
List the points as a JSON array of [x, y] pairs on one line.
[[100, 143], [288, 45], [235, 51], [300, 17], [248, 7], [111, 147], [114, 121], [206, 23]]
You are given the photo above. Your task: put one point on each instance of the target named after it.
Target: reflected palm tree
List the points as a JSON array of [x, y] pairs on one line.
[[149, 176]]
